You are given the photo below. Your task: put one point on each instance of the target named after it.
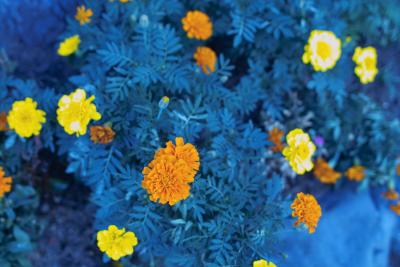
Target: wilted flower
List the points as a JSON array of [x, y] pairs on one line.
[[356, 173], [366, 60], [25, 118], [325, 173], [3, 122], [69, 46], [197, 25], [308, 211], [206, 59], [391, 194], [299, 151], [116, 243], [263, 263], [323, 50], [275, 136], [395, 208], [101, 134], [83, 15], [5, 183]]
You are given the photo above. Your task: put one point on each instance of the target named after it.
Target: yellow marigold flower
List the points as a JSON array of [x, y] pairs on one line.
[[116, 243], [206, 59], [167, 177], [275, 136], [391, 194], [324, 173], [197, 25], [323, 50], [69, 46], [3, 122], [299, 151], [356, 173], [263, 263], [101, 134], [395, 208], [75, 112], [5, 183], [83, 15], [25, 118], [308, 211], [366, 60]]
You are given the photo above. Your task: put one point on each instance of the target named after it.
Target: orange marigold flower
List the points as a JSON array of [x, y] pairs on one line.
[[307, 210], [197, 25], [5, 183], [398, 169], [275, 136], [395, 208], [83, 15], [101, 134], [206, 59], [391, 194], [355, 173], [324, 173], [167, 177], [3, 122]]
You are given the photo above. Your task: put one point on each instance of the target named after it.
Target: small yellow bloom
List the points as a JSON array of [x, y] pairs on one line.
[[83, 15], [299, 151], [5, 183], [69, 46], [323, 50], [25, 118], [197, 25], [308, 211], [356, 173], [206, 59], [263, 263], [366, 60], [116, 243], [325, 173], [75, 112]]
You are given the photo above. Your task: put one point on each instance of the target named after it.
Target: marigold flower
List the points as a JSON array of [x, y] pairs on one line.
[[83, 15], [366, 60], [299, 151], [25, 118], [308, 211], [69, 46], [167, 177], [323, 50], [3, 122], [5, 183], [197, 25], [101, 134], [263, 263], [395, 208], [275, 136], [398, 169], [324, 173], [116, 243], [206, 59], [356, 173], [391, 194], [75, 112]]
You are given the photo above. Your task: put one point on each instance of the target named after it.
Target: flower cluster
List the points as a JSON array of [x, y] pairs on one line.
[[5, 183], [299, 151], [116, 243], [275, 137], [263, 263], [206, 59], [197, 25], [168, 175], [323, 50], [101, 134], [308, 211], [366, 60], [355, 173], [325, 173]]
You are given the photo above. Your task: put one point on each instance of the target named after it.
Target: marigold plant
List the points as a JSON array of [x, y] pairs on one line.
[[307, 210], [5, 183], [25, 118], [83, 14], [197, 25], [75, 112], [299, 151], [206, 59], [101, 134], [323, 50], [366, 60], [275, 137], [355, 173], [263, 263], [325, 173], [69, 46], [116, 243]]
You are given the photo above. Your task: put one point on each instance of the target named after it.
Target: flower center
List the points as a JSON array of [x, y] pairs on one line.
[[369, 63], [323, 49]]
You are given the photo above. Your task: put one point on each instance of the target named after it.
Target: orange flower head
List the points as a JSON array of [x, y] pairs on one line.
[[206, 59], [101, 134], [83, 15], [324, 173], [307, 210], [275, 136], [197, 25], [5, 183], [391, 194], [395, 208], [355, 173], [3, 122]]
